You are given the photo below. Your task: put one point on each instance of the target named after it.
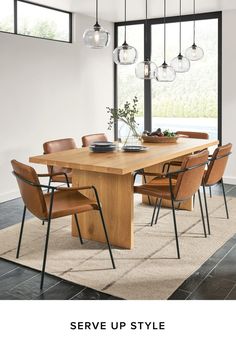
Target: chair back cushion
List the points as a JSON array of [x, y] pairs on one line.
[[189, 181], [194, 134], [89, 139], [58, 146], [32, 196], [218, 164]]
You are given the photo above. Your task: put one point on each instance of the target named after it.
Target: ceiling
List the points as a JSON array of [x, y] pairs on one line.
[[112, 10]]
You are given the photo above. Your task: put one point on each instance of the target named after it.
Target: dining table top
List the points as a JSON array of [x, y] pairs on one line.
[[120, 162]]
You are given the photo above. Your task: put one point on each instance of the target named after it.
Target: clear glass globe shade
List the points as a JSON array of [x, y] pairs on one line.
[[194, 53], [146, 70], [180, 64], [125, 55], [165, 73], [96, 38]]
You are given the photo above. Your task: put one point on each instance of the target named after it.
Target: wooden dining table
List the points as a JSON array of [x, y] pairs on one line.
[[112, 174]]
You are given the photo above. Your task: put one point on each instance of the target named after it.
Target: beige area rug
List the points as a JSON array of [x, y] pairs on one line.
[[149, 271]]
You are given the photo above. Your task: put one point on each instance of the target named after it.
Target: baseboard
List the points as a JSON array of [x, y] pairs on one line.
[[10, 195], [230, 180]]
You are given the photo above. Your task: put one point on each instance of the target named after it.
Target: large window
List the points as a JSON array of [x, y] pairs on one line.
[[29, 19], [193, 101]]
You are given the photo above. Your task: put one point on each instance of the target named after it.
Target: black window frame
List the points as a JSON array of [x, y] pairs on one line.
[[147, 53], [15, 19]]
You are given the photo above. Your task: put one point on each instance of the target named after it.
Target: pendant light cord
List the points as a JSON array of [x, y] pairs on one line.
[[180, 26], [97, 12], [194, 22], [164, 31], [125, 20], [146, 25]]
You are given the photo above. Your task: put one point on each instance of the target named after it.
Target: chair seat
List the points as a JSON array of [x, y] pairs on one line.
[[69, 202], [62, 179], [156, 187]]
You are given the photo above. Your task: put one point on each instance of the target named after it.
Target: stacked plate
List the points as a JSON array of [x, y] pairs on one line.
[[101, 147], [137, 148]]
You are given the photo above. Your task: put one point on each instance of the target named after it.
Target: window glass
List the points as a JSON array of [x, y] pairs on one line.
[[189, 103], [7, 16], [38, 21]]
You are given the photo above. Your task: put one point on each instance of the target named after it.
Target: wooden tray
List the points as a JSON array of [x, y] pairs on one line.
[[158, 139]]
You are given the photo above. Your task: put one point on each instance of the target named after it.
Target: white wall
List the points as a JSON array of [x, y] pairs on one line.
[[229, 89], [50, 90]]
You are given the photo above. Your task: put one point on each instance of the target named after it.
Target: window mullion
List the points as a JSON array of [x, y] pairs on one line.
[[15, 16], [147, 83]]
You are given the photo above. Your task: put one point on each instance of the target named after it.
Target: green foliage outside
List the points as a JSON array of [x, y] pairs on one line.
[[6, 25], [42, 29], [193, 94]]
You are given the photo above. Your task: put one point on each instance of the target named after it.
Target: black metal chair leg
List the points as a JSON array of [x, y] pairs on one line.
[[158, 211], [47, 239], [78, 228], [107, 239], [175, 228], [154, 212], [194, 199], [202, 214], [206, 207], [45, 253], [104, 227], [49, 183], [21, 233], [210, 191], [145, 180], [225, 200]]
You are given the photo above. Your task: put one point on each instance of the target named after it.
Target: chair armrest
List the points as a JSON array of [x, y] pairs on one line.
[[169, 164], [50, 174], [175, 163], [61, 188], [159, 175], [91, 187]]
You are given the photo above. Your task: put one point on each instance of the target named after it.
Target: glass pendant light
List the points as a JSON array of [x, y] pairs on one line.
[[96, 37], [180, 64], [165, 73], [146, 70], [194, 52], [125, 55]]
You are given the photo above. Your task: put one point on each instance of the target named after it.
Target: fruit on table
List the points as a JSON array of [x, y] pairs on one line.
[[159, 133]]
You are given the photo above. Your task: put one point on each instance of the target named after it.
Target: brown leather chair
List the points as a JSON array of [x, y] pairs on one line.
[[62, 174], [214, 175], [181, 188], [60, 202], [194, 134], [185, 134], [89, 139]]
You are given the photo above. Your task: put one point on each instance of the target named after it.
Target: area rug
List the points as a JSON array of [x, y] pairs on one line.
[[149, 271]]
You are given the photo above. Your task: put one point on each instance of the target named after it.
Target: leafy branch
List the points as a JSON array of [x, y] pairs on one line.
[[126, 115]]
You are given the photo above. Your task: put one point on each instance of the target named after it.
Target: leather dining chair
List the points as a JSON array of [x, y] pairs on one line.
[[87, 140], [185, 134], [58, 174], [181, 185], [194, 134], [214, 175], [60, 202]]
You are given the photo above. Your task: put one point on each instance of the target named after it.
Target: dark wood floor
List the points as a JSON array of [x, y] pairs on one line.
[[215, 279]]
